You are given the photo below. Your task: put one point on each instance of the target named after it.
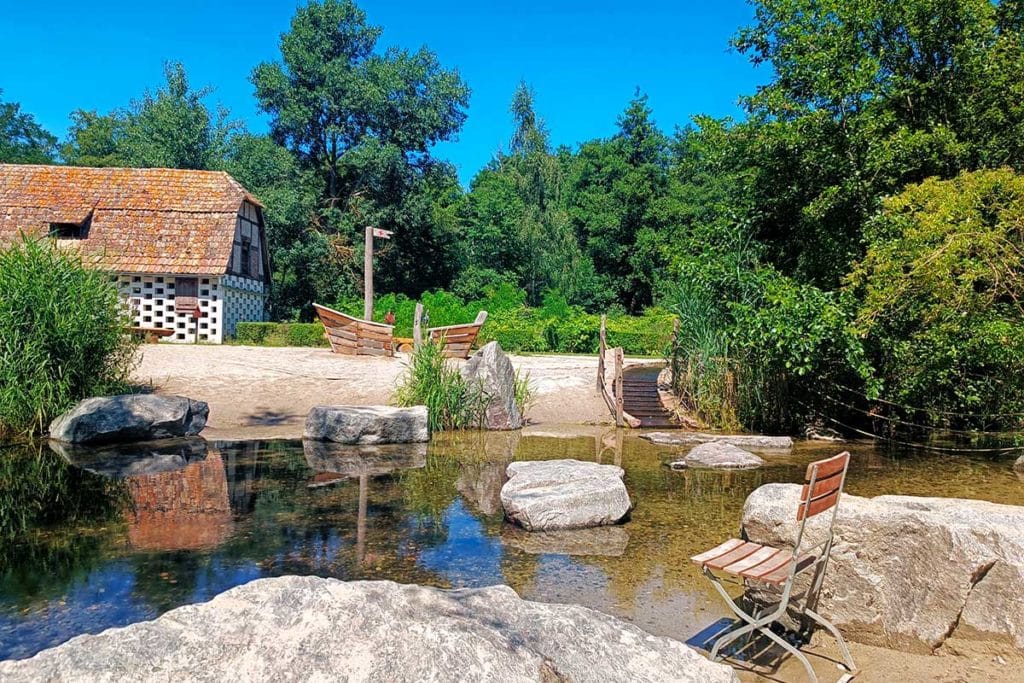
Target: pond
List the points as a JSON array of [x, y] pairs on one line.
[[91, 540]]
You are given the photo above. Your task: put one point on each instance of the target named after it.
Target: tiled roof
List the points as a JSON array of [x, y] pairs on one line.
[[145, 220]]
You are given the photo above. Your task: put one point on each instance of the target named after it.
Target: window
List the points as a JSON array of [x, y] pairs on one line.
[[67, 231], [245, 265]]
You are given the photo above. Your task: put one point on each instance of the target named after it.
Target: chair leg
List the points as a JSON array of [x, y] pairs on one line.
[[851, 666], [760, 624]]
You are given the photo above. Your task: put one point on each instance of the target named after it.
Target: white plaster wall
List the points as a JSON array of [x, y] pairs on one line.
[[151, 299], [245, 300]]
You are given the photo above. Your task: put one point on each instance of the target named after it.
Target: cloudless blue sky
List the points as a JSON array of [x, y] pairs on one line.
[[584, 59]]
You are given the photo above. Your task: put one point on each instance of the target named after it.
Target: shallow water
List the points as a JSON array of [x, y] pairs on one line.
[[125, 535]]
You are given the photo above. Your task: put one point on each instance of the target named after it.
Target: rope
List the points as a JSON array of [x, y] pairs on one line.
[[932, 428], [911, 444], [927, 410]]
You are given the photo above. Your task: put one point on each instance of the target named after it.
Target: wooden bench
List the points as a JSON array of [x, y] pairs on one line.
[[356, 337], [458, 339]]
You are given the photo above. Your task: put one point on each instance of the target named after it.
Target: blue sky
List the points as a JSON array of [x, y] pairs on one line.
[[583, 58]]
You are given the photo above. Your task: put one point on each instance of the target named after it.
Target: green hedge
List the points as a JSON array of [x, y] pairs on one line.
[[280, 334], [554, 327]]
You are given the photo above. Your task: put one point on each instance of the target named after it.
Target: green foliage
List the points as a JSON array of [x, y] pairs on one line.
[[22, 139], [432, 380], [940, 292], [63, 335], [280, 334]]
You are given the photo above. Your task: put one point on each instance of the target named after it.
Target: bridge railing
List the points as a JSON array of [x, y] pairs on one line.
[[612, 392]]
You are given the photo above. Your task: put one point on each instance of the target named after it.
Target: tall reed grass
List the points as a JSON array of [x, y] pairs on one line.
[[63, 335], [432, 380]]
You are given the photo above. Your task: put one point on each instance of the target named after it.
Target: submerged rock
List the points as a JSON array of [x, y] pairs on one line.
[[607, 541], [564, 494], [129, 460], [130, 417], [682, 438], [719, 455], [492, 370], [308, 628], [910, 573], [367, 424]]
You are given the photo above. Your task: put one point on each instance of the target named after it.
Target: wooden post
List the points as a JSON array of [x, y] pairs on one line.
[[620, 406], [601, 348], [368, 275], [417, 326]]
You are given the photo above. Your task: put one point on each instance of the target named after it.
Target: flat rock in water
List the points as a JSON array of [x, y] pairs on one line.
[[130, 417], [118, 461], [548, 495], [606, 541], [305, 628], [743, 440], [910, 573], [367, 424], [719, 455], [491, 369]]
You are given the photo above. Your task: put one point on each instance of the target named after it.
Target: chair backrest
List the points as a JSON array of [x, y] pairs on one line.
[[824, 485]]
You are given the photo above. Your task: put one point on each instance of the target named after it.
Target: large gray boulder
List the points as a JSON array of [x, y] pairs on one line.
[[682, 438], [1018, 465], [911, 573], [548, 495], [491, 370], [130, 417], [305, 628], [367, 424], [719, 455]]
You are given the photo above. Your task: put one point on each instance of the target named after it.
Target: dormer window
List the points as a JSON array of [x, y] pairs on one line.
[[67, 231], [71, 231]]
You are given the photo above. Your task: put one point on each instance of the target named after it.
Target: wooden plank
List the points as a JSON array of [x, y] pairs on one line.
[[817, 505], [370, 344], [342, 332], [822, 487], [455, 337], [417, 325], [619, 401], [779, 562], [703, 557], [343, 340], [750, 561], [829, 466], [363, 351], [734, 555]]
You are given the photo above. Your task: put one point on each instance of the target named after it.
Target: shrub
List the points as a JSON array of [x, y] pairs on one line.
[[430, 379], [63, 335], [280, 334], [941, 287]]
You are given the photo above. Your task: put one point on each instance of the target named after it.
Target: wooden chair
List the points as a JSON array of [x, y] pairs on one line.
[[458, 339], [354, 336], [779, 567]]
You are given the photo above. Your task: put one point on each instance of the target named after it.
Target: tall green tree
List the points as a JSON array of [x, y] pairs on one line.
[[363, 122], [94, 140], [867, 97], [617, 188], [22, 139]]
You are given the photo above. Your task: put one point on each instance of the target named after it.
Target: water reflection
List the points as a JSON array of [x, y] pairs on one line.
[[99, 538]]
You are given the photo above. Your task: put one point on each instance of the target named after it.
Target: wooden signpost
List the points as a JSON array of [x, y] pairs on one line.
[[371, 232]]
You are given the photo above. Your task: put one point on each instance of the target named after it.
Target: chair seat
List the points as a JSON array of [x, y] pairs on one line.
[[749, 560]]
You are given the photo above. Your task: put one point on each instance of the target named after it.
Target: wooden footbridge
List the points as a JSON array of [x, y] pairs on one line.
[[631, 392]]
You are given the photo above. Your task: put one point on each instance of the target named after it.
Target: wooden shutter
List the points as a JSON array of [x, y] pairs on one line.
[[186, 294]]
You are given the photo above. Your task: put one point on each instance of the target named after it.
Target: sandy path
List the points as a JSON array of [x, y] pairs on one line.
[[262, 392]]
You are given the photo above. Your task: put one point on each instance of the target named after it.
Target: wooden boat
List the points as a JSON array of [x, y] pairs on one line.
[[458, 339], [354, 336]]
